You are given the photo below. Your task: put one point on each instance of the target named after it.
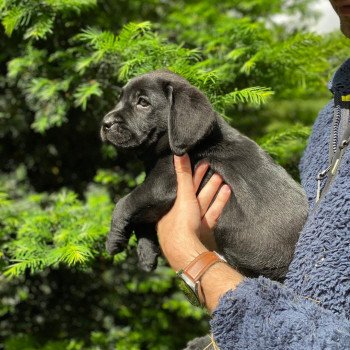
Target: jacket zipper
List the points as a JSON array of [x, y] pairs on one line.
[[336, 128], [338, 152]]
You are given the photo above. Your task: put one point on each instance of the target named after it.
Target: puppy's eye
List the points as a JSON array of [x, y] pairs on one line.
[[143, 102]]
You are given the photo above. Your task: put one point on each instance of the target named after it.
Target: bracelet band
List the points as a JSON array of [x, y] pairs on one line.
[[197, 268], [200, 264]]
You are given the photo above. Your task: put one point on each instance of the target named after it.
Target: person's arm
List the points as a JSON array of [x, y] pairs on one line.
[[263, 314], [247, 313]]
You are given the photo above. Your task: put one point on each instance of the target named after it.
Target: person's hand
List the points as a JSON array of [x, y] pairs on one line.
[[187, 229]]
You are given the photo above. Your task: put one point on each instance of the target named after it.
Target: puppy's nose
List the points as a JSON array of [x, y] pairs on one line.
[[108, 121]]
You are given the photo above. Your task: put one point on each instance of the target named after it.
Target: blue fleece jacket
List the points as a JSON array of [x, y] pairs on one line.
[[311, 310]]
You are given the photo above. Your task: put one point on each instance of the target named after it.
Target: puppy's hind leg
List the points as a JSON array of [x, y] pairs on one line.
[[147, 246]]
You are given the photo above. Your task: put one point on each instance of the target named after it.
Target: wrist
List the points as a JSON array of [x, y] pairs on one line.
[[219, 279], [206, 278], [182, 256], [190, 276]]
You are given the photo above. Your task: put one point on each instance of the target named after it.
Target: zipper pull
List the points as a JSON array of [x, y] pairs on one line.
[[334, 166], [319, 178], [318, 189], [343, 144]]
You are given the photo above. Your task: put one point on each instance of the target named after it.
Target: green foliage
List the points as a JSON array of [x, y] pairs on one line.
[[13, 18], [44, 97], [245, 51], [65, 229], [37, 16], [253, 95], [85, 91], [108, 177], [62, 65], [69, 249], [286, 146], [40, 29]]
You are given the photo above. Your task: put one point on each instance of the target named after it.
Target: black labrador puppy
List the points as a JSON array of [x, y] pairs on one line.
[[160, 114]]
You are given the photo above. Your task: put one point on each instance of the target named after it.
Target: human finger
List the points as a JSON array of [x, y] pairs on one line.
[[199, 174], [212, 215], [208, 192], [184, 176]]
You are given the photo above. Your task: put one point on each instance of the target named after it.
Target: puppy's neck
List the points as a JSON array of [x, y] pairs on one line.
[[150, 154]]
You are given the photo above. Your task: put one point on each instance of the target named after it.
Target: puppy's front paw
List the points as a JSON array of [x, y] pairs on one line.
[[120, 231], [116, 241]]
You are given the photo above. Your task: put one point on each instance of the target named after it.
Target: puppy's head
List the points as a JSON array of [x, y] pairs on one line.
[[154, 104]]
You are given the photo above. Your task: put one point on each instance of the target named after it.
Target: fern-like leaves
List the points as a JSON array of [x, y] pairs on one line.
[[66, 232], [254, 96], [85, 91]]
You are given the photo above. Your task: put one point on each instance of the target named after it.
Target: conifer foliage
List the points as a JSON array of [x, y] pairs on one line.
[[62, 65]]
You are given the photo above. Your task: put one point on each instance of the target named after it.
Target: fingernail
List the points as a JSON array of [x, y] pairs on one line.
[[177, 160], [226, 188], [180, 157], [203, 164], [217, 176]]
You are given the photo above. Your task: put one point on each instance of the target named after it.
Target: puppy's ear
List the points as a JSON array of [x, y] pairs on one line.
[[190, 119]]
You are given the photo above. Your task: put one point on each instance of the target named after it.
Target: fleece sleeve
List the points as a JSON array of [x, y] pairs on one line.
[[262, 314]]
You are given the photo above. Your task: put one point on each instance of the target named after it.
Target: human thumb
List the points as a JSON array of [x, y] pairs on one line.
[[183, 171]]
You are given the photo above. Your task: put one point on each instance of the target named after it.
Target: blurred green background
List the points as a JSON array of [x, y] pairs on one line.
[[62, 63]]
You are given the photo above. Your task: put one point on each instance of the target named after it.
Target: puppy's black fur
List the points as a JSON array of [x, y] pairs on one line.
[[159, 114]]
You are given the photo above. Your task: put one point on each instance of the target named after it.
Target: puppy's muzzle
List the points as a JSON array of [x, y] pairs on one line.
[[108, 120], [114, 129]]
